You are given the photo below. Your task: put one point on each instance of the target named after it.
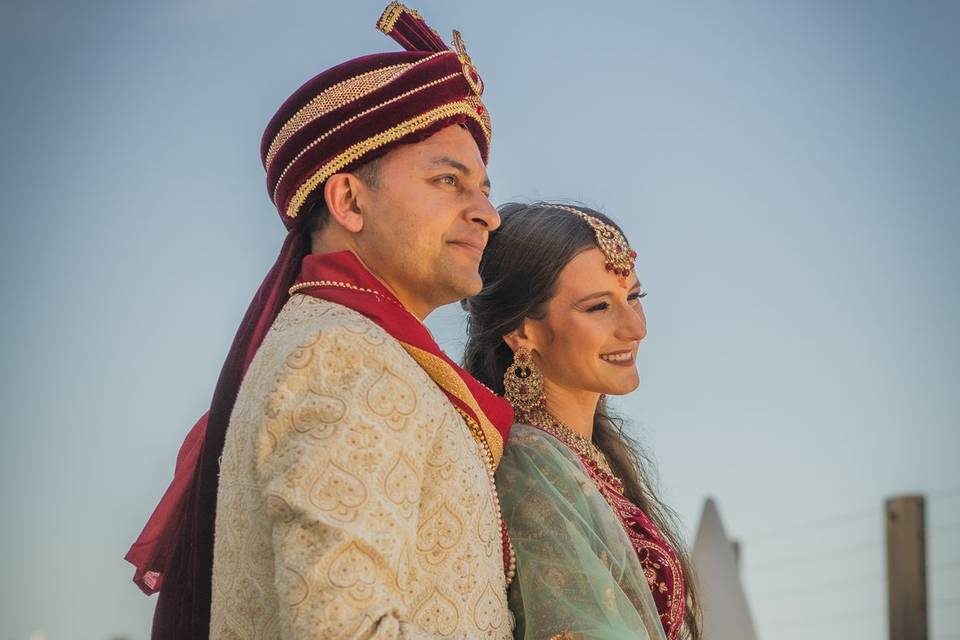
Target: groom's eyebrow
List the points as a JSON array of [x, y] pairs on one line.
[[459, 166], [600, 294]]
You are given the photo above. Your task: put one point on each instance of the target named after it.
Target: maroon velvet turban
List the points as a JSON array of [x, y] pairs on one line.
[[356, 111], [336, 122]]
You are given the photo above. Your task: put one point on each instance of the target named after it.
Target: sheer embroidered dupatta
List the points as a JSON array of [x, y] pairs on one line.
[[578, 575]]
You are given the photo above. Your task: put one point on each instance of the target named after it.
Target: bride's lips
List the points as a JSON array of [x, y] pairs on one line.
[[622, 358]]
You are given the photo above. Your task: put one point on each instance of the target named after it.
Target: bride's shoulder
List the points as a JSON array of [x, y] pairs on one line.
[[540, 476], [538, 447], [527, 437]]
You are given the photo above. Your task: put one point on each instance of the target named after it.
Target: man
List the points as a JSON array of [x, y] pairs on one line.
[[355, 494]]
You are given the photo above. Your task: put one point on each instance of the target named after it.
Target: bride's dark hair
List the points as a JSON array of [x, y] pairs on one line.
[[520, 267]]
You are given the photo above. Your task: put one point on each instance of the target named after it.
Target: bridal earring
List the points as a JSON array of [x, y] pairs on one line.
[[523, 384]]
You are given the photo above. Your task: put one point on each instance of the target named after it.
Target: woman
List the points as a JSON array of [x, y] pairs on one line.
[[556, 329]]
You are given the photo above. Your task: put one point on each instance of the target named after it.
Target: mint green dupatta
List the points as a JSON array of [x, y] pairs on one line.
[[578, 576]]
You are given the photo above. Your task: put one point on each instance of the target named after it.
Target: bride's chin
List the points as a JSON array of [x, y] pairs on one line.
[[622, 388]]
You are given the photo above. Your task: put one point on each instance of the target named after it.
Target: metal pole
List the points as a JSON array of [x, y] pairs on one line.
[[906, 568]]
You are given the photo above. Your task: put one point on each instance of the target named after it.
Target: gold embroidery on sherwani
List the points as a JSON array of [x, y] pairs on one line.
[[353, 569], [445, 455], [488, 614], [401, 485], [438, 611], [342, 460], [392, 398], [440, 532], [338, 492]]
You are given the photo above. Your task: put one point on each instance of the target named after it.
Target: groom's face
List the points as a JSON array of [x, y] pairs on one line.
[[427, 219]]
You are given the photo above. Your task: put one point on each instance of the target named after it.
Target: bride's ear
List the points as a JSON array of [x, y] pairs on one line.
[[517, 338]]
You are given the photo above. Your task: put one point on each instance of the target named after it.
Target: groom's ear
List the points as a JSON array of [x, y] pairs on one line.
[[343, 192]]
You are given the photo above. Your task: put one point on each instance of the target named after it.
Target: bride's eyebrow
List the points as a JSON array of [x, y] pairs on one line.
[[601, 294], [597, 294]]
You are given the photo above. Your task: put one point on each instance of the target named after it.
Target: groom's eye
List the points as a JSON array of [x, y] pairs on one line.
[[448, 180]]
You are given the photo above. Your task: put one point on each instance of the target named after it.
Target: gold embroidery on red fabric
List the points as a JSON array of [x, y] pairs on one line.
[[358, 150], [346, 122], [477, 104], [340, 95], [388, 19], [622, 506]]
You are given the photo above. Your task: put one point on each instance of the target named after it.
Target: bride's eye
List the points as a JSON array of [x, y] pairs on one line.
[[602, 306], [636, 295]]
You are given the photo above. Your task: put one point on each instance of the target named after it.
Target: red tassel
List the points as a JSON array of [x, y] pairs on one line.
[[408, 28]]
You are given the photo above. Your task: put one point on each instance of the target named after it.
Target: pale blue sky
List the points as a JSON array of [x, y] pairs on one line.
[[789, 173]]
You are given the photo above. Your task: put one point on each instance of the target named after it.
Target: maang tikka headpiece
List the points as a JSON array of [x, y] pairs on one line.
[[620, 257]]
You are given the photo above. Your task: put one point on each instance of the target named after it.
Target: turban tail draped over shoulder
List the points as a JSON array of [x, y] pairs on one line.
[[336, 122]]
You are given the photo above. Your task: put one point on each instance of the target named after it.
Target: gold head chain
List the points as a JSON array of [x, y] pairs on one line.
[[620, 258]]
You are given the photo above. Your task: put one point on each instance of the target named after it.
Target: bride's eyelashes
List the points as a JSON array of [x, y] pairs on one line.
[[603, 306]]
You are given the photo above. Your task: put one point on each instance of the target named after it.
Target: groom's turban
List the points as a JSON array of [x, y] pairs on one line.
[[359, 110]]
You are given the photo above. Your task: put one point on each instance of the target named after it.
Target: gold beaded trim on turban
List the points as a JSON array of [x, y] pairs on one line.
[[620, 258], [392, 13], [469, 70], [340, 95], [358, 150], [360, 115]]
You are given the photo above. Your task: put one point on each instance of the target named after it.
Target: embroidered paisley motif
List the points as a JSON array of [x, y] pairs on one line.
[[353, 569], [338, 492], [438, 612], [402, 486], [439, 533]]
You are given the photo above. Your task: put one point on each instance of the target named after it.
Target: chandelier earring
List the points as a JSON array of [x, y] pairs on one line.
[[523, 384]]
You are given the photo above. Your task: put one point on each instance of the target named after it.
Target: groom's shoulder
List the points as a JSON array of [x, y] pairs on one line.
[[307, 318], [339, 335], [308, 313], [321, 341]]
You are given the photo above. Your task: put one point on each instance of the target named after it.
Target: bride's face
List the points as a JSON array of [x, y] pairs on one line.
[[589, 336]]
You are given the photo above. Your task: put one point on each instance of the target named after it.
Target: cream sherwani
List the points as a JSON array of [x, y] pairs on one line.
[[353, 501]]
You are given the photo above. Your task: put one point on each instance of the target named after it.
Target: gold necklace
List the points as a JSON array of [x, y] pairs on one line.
[[546, 421]]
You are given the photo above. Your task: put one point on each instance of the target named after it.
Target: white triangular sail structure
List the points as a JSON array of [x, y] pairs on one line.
[[726, 614]]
